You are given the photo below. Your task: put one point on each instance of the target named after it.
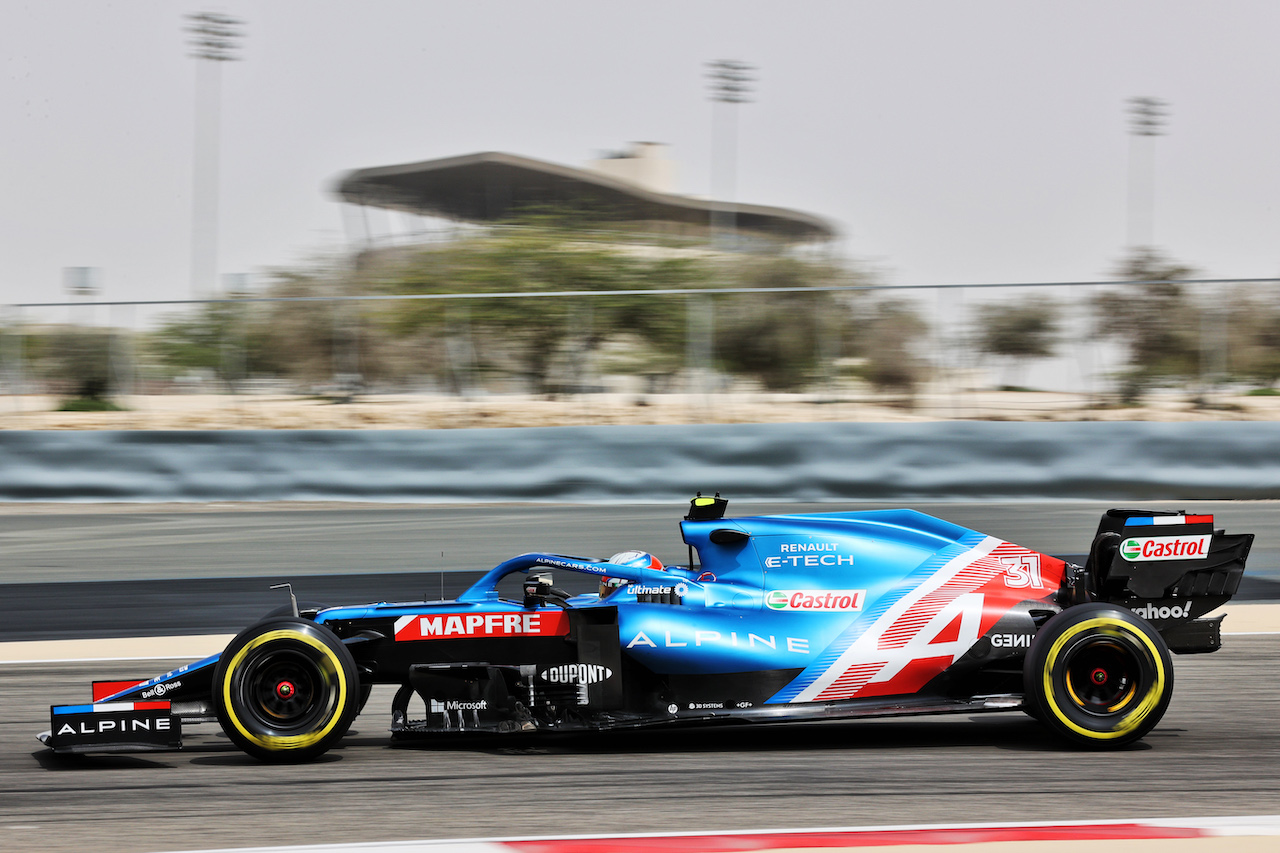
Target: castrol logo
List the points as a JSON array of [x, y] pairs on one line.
[[1139, 550], [834, 600]]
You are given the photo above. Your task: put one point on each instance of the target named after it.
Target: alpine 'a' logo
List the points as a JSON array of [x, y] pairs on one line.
[[576, 673]]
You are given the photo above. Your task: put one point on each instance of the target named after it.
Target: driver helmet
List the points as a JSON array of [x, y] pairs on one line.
[[632, 559]]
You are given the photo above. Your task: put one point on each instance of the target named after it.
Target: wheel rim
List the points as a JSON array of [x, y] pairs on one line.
[[1102, 676], [285, 690]]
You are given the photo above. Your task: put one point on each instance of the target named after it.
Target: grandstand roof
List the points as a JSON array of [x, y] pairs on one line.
[[493, 186]]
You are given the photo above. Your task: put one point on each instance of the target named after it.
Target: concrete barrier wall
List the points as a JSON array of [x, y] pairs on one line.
[[827, 461]]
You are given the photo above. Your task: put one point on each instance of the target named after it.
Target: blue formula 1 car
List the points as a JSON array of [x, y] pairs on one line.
[[775, 618]]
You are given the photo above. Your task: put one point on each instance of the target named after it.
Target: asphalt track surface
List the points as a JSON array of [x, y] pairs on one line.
[[1214, 753]]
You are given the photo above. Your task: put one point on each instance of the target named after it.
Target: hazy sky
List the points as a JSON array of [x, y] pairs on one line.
[[950, 141]]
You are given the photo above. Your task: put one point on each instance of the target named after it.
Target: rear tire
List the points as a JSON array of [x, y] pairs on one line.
[[286, 689], [1098, 675]]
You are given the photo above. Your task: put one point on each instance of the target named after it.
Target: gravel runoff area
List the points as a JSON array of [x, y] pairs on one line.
[[432, 411]]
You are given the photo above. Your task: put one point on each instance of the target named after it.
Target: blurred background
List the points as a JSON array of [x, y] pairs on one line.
[[328, 214], [295, 215]]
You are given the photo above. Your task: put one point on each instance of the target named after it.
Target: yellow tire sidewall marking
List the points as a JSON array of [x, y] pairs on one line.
[[1112, 628], [272, 742]]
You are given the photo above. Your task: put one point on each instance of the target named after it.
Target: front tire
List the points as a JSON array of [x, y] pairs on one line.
[[286, 689], [1098, 675]]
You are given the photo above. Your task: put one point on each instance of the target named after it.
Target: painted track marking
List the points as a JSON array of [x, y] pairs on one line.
[[1229, 829]]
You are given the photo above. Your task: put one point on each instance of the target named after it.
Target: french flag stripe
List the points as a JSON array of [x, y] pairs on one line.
[[1160, 520], [109, 707]]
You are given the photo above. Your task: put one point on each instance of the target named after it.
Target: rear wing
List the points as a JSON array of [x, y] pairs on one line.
[[1168, 567]]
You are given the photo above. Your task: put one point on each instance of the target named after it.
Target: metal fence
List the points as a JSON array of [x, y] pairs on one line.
[[1186, 350]]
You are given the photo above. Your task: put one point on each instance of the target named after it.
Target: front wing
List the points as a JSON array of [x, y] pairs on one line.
[[113, 727]]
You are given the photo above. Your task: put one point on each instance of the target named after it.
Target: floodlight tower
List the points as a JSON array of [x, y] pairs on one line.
[[730, 84], [1147, 117], [214, 39]]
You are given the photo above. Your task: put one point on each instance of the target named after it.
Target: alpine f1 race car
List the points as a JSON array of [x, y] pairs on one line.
[[774, 619]]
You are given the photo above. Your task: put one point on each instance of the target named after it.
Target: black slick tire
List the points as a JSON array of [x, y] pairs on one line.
[[1098, 675], [286, 690]]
